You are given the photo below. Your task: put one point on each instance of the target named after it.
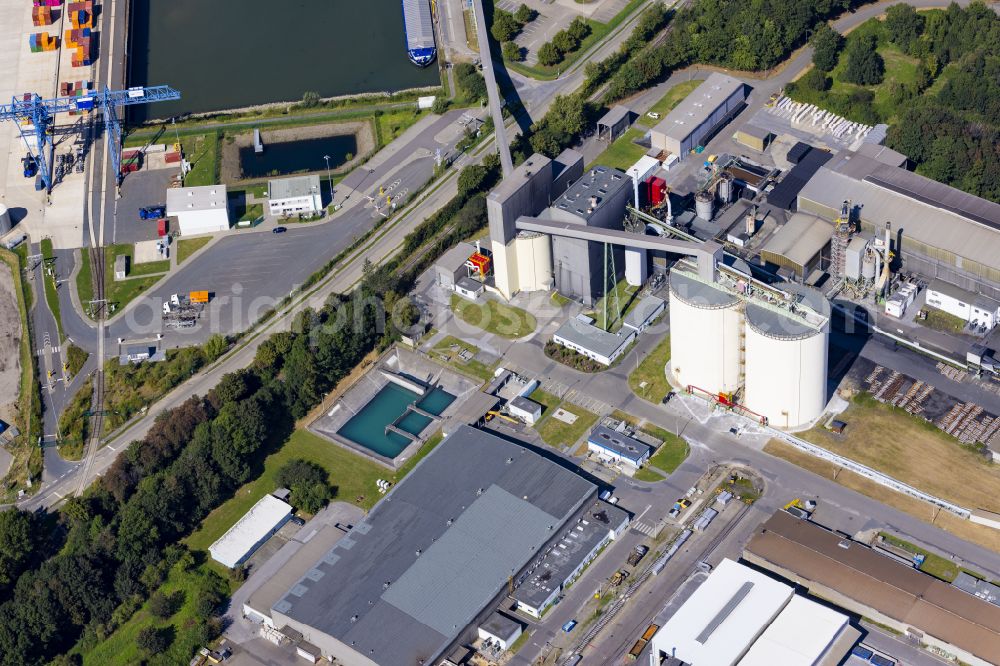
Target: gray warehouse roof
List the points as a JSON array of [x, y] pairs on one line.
[[600, 182], [644, 311], [697, 106], [291, 188], [437, 549], [799, 240], [956, 292], [455, 258], [501, 626], [929, 212]]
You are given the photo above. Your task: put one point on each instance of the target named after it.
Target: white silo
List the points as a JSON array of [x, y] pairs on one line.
[[635, 267], [5, 221], [725, 189], [786, 360], [705, 323], [534, 261]]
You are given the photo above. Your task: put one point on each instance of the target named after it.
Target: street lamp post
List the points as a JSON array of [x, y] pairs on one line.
[[329, 180]]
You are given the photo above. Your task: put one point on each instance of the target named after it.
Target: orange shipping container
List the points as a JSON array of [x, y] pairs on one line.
[[199, 296]]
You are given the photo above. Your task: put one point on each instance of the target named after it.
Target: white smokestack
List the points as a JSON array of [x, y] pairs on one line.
[[635, 186]]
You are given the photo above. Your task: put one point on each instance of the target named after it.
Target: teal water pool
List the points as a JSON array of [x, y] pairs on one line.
[[367, 427]]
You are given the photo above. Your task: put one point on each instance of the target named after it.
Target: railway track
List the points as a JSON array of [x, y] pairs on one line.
[[97, 403]]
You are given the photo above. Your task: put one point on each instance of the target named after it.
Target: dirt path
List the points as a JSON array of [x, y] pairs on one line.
[[361, 129]]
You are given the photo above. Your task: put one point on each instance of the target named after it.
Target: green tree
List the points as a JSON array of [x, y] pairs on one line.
[[903, 26], [815, 79], [440, 105], [471, 179], [578, 29], [164, 606], [826, 43], [471, 82], [511, 52], [308, 483], [215, 347], [505, 26], [549, 55], [865, 66], [525, 14], [310, 99], [17, 545], [565, 42], [153, 640]]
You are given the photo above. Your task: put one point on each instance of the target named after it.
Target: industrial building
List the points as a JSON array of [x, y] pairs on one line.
[[760, 348], [199, 210], [568, 555], [741, 617], [298, 195], [645, 312], [455, 268], [255, 527], [941, 232], [981, 312], [502, 629], [595, 343], [700, 115], [799, 245], [428, 566], [865, 582], [617, 448]]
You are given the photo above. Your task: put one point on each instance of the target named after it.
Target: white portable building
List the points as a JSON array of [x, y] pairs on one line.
[[255, 527]]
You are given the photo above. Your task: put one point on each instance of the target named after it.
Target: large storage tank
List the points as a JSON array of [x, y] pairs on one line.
[[786, 362], [534, 261], [726, 188], [705, 324], [5, 221]]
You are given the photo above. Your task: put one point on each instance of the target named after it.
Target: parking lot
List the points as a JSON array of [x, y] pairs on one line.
[[143, 188]]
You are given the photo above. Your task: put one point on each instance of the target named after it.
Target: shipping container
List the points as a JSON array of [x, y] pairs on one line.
[[161, 230], [199, 297]]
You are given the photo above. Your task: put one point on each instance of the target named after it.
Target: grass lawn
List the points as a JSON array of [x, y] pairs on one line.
[[448, 350], [648, 475], [494, 317], [84, 279], [964, 529], [674, 97], [252, 212], [121, 292], [75, 358], [390, 124], [622, 153], [652, 373], [668, 457], [557, 433], [471, 38], [121, 648], [913, 451], [202, 150], [188, 246], [51, 293], [939, 320], [352, 475], [627, 299], [548, 401]]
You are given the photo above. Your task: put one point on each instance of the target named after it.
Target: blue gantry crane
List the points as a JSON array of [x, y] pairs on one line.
[[34, 118]]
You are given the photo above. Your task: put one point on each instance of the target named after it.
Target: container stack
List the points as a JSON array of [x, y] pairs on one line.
[[41, 15], [75, 89], [131, 161], [42, 41], [78, 39], [47, 3], [81, 14]]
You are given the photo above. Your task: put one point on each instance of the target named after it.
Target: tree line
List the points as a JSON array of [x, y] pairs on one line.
[[79, 573]]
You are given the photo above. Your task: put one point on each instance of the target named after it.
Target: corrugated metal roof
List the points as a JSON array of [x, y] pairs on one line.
[[514, 496], [799, 636], [699, 105], [418, 24], [871, 580], [263, 517], [934, 214], [799, 240], [644, 311]]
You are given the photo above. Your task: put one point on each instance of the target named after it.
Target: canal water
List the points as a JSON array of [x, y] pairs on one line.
[[287, 157], [228, 54]]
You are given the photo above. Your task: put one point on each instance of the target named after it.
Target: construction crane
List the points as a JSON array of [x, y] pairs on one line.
[[34, 117]]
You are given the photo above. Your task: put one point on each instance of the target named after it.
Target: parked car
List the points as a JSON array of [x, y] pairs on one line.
[[279, 230], [568, 627], [653, 114]]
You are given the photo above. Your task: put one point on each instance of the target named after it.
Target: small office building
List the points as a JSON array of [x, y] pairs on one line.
[[121, 266], [299, 195], [501, 629], [971, 308], [525, 409], [593, 342], [644, 313], [199, 210], [616, 448]]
